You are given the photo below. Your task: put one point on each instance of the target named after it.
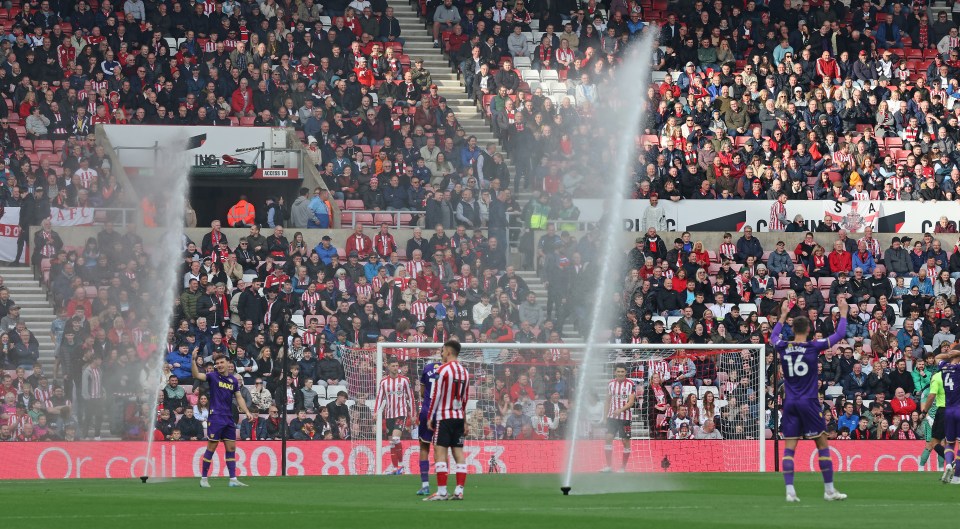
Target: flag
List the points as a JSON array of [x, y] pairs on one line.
[[854, 216]]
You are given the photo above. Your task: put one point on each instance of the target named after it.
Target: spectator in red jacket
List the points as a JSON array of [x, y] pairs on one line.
[[499, 333], [241, 102], [840, 259], [521, 388], [358, 242], [902, 406]]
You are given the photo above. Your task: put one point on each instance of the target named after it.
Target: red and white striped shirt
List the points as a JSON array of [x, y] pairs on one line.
[[618, 396], [777, 212], [309, 301], [415, 268], [364, 291], [419, 309], [396, 395], [85, 177], [452, 394], [872, 244], [309, 338], [728, 250]]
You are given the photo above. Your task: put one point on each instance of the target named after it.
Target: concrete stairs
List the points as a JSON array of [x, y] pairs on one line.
[[419, 43], [27, 292]]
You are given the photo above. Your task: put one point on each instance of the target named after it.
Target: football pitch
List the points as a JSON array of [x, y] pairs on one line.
[[523, 501]]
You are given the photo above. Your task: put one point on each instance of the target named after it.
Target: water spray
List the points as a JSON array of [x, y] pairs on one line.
[[634, 72]]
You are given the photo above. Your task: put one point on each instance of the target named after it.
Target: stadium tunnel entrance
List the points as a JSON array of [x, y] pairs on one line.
[[212, 198]]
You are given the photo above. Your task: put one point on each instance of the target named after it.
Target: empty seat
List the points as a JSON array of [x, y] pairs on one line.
[[549, 75], [333, 390]]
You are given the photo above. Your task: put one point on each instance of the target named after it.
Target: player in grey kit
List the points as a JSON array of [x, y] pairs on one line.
[[802, 416], [950, 371]]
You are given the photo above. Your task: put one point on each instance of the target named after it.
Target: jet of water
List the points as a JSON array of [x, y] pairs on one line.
[[168, 189], [629, 86]]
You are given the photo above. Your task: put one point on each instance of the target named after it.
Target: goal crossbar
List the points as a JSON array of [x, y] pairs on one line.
[[649, 348]]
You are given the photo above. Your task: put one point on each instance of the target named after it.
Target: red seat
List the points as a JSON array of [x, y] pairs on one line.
[[313, 317], [381, 218], [364, 218], [246, 121], [354, 204], [43, 146]]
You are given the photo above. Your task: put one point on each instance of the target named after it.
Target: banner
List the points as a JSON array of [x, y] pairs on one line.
[[71, 216], [852, 216], [734, 215], [9, 233], [135, 144], [331, 458]]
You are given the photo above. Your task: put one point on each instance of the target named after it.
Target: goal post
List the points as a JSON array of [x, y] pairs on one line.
[[738, 381]]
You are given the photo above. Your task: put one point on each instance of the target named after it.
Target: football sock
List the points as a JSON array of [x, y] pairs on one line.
[[948, 456], [826, 468], [626, 456], [939, 450], [787, 467], [461, 476], [924, 456], [425, 472], [608, 454], [441, 469], [207, 459], [231, 459], [395, 452]]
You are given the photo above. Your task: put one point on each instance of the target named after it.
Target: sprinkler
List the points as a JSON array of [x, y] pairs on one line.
[[564, 490]]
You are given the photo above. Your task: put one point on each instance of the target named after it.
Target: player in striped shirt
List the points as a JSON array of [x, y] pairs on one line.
[[617, 409], [395, 400], [447, 416]]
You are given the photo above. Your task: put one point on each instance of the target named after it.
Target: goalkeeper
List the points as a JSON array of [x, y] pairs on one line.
[[935, 431]]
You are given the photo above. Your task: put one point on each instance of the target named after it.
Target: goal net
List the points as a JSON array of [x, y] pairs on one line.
[[695, 407]]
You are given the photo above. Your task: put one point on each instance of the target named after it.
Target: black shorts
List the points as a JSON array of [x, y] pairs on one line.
[[396, 423], [450, 433], [618, 428], [939, 429]]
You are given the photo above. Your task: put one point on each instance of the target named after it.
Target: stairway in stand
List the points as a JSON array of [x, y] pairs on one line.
[[419, 43], [35, 308]]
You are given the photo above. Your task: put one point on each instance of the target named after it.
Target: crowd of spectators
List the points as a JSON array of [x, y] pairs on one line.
[[808, 101], [818, 100]]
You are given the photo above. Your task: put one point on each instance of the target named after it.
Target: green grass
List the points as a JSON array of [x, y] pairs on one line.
[[492, 501]]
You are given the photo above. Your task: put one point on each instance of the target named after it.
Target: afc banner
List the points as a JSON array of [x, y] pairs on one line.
[[336, 458], [734, 215], [71, 216]]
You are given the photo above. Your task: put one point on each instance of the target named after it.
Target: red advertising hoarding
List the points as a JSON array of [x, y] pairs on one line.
[[257, 458]]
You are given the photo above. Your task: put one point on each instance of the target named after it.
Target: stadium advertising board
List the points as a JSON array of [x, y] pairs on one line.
[[734, 215], [136, 143], [330, 458]]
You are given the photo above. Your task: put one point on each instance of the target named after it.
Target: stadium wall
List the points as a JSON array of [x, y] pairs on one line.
[[734, 215], [127, 460]]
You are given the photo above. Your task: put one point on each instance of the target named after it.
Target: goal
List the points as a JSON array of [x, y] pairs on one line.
[[528, 412]]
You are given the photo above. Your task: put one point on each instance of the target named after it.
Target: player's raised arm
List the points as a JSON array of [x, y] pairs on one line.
[[949, 355], [840, 333], [775, 337], [197, 375]]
